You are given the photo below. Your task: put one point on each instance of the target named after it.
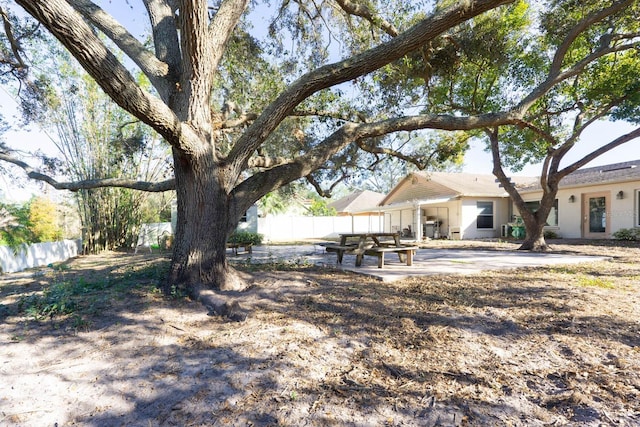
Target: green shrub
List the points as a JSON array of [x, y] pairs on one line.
[[246, 237], [14, 226], [627, 234]]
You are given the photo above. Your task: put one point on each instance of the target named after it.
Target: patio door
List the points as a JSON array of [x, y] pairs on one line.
[[596, 217]]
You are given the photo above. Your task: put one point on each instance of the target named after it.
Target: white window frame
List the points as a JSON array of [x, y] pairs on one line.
[[493, 215]]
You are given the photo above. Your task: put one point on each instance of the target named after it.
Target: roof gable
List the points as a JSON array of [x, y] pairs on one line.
[[437, 185], [357, 201]]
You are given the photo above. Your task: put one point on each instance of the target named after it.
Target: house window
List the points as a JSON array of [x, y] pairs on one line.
[[552, 218], [485, 215], [243, 218]]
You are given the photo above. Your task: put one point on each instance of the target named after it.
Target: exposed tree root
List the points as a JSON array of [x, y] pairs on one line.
[[222, 304]]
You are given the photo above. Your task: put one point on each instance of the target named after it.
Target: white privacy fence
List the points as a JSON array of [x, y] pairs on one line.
[[291, 228], [37, 255]]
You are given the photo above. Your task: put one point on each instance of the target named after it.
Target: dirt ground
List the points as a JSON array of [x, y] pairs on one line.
[[91, 342]]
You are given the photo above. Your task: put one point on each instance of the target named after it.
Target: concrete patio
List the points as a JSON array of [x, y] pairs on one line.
[[425, 262]]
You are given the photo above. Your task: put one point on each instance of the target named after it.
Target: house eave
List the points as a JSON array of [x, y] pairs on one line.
[[413, 204]]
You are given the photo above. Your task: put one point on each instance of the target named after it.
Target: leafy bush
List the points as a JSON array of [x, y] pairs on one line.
[[14, 226], [627, 234], [246, 237], [320, 207]]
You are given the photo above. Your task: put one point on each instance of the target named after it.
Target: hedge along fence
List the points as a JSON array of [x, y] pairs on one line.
[[37, 255]]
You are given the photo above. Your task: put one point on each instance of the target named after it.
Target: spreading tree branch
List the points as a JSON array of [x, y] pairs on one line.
[[349, 69], [594, 154], [250, 190], [364, 12], [578, 29], [156, 70], [69, 27], [90, 183]]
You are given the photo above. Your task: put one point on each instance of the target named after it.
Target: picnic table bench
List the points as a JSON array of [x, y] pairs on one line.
[[405, 252], [248, 247], [375, 248]]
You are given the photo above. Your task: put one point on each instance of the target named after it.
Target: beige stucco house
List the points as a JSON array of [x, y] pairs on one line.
[[591, 203], [445, 204]]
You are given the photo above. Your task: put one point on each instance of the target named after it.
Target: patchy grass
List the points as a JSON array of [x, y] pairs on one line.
[[596, 282], [62, 292]]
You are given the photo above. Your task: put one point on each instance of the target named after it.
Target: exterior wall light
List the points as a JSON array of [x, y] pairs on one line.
[[620, 195], [572, 198]]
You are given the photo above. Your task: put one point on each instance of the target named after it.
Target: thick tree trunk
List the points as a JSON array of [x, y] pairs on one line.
[[534, 239], [204, 221]]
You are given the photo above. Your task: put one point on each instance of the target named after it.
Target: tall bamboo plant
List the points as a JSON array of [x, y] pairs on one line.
[[96, 139]]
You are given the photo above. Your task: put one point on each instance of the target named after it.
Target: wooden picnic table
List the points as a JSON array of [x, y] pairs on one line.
[[374, 244]]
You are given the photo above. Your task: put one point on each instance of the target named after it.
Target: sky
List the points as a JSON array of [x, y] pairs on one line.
[[476, 159]]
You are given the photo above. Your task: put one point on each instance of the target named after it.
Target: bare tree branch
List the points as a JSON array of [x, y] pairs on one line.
[[15, 46], [66, 24], [153, 68], [364, 12], [90, 183]]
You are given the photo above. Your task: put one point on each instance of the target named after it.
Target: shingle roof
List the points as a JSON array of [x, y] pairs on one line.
[[468, 184], [617, 172], [357, 201]]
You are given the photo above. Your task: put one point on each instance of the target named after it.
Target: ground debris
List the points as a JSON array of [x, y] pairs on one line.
[[534, 347]]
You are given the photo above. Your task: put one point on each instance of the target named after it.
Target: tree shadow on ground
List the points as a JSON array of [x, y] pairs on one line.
[[416, 317], [324, 347]]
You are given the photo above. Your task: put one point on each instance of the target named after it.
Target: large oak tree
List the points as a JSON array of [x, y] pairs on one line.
[[226, 155], [216, 182]]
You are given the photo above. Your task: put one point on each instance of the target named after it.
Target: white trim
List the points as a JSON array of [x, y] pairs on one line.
[[636, 208], [493, 215]]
